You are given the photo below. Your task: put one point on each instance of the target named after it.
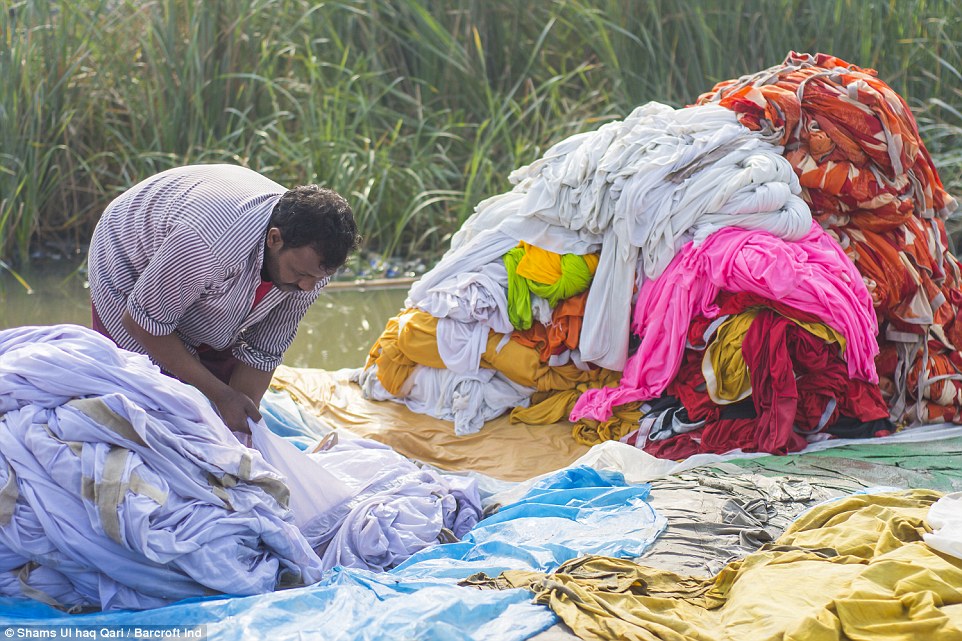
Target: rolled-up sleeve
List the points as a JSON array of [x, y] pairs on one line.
[[263, 345], [174, 279]]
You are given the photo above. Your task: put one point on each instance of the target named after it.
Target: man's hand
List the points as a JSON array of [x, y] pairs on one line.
[[233, 404], [235, 407]]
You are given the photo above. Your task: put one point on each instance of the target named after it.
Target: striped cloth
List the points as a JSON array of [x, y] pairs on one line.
[[182, 252]]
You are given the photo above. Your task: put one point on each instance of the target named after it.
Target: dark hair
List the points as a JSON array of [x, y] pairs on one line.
[[319, 217]]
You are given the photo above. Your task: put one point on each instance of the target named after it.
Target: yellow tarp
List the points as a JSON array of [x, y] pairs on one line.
[[853, 569], [502, 450]]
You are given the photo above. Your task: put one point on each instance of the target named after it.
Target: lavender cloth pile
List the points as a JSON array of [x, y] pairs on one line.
[[121, 488]]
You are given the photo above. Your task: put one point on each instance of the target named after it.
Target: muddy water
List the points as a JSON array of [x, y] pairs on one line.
[[337, 331]]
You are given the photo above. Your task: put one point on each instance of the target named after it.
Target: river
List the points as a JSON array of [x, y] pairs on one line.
[[336, 332]]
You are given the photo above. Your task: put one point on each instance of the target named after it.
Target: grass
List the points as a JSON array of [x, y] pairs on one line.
[[414, 109]]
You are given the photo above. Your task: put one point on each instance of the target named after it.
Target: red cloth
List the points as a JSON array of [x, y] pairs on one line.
[[794, 375], [261, 291]]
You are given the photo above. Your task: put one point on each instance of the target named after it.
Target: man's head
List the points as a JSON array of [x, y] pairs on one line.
[[310, 234]]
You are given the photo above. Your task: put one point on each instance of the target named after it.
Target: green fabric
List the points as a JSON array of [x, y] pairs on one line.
[[519, 294], [575, 278], [935, 465]]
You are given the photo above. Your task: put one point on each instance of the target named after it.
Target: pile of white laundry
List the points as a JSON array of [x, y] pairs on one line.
[[634, 191]]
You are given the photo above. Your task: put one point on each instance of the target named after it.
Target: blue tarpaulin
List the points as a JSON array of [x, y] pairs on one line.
[[571, 512]]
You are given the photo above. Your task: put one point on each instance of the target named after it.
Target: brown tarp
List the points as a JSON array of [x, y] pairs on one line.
[[512, 452]]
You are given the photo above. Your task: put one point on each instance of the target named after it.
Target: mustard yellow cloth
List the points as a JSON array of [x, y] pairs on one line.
[[410, 339], [853, 569], [726, 375], [553, 407]]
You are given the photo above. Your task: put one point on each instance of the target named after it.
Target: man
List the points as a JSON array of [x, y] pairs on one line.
[[208, 269]]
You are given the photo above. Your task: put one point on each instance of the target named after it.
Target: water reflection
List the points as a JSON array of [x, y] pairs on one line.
[[337, 331]]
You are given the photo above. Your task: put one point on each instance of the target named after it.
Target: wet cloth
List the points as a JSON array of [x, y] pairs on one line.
[[811, 274], [574, 511], [853, 568], [360, 504], [122, 488], [346, 604], [640, 187], [721, 514], [865, 171]]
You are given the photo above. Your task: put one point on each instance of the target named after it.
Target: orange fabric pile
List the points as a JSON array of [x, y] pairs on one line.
[[869, 180]]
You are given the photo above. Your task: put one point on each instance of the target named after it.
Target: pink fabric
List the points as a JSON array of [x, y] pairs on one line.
[[811, 274]]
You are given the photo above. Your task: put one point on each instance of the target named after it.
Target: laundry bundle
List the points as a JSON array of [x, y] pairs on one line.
[[121, 488], [870, 182], [700, 279], [750, 342]]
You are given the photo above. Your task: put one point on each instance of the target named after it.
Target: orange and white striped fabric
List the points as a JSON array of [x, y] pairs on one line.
[[869, 180]]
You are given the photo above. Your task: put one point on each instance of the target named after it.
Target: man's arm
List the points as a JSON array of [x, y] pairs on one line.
[[251, 382], [233, 403]]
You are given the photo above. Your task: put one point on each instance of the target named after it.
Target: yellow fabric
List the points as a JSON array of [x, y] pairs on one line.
[[624, 419], [418, 338], [543, 266], [539, 265], [591, 260], [726, 375], [502, 450], [727, 379], [408, 339], [557, 406], [523, 365], [854, 569], [551, 276], [393, 368]]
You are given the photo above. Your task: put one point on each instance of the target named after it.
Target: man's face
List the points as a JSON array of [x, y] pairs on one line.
[[292, 268]]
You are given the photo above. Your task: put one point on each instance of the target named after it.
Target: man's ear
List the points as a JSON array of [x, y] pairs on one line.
[[275, 240]]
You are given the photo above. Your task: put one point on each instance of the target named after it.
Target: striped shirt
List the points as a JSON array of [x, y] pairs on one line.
[[182, 253]]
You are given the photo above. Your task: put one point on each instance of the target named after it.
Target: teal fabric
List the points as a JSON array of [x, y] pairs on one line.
[[935, 465]]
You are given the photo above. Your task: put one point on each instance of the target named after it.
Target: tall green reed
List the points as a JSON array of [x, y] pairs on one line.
[[44, 56], [414, 109]]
